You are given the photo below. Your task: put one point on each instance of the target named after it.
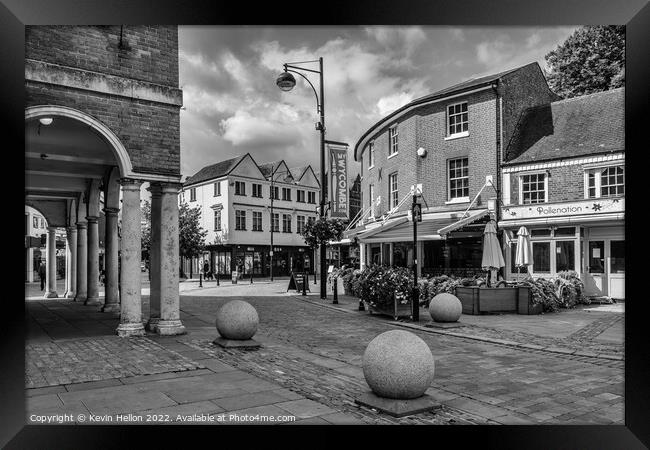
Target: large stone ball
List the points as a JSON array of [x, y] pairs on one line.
[[237, 320], [445, 307], [398, 364]]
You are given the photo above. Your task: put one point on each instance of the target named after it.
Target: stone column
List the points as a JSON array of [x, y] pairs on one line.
[[71, 235], [82, 258], [51, 263], [154, 259], [130, 276], [29, 268], [170, 322], [362, 256], [66, 285], [112, 295], [92, 268]]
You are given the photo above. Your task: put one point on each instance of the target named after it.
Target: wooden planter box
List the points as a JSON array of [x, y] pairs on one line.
[[477, 300], [398, 310]]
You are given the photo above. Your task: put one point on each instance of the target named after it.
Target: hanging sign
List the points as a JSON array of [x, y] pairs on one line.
[[338, 180]]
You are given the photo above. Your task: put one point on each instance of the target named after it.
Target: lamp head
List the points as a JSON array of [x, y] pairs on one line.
[[45, 120], [286, 81]]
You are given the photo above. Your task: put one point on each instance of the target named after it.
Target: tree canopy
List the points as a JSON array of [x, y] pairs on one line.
[[591, 60], [191, 234], [146, 230], [322, 231]]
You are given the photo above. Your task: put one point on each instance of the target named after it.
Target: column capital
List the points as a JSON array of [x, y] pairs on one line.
[[155, 188], [72, 229], [92, 219], [82, 225], [130, 183], [170, 188], [51, 229], [111, 211]]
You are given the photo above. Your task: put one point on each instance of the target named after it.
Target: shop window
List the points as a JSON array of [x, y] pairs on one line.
[[458, 179], [564, 255], [542, 257], [617, 253], [569, 231], [537, 232], [605, 182], [596, 257], [457, 119], [533, 188]]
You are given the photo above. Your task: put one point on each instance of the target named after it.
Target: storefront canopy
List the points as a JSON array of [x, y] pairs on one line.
[[400, 228]]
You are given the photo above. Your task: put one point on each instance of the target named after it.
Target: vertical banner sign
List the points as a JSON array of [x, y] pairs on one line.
[[338, 185]]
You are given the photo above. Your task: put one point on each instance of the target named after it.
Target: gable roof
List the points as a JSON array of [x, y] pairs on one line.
[[268, 168], [298, 172], [578, 126], [214, 171], [456, 89]]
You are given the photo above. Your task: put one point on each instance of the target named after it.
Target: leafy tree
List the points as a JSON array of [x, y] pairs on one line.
[[146, 231], [191, 234], [322, 231], [591, 60]]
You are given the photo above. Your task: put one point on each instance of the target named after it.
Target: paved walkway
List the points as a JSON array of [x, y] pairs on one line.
[[309, 366]]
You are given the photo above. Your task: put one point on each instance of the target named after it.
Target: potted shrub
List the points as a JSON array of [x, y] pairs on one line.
[[386, 290]]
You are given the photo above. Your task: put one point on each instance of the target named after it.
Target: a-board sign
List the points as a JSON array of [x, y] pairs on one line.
[[330, 269], [297, 281]]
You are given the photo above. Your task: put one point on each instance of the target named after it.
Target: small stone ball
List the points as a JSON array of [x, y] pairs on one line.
[[445, 307], [237, 320], [398, 364]]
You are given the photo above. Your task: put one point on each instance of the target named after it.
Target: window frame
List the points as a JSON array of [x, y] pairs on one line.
[[217, 220], [217, 189], [257, 187], [257, 220], [311, 195], [371, 154], [371, 195], [242, 190], [393, 198], [521, 186], [598, 171], [393, 140], [462, 133], [275, 220], [240, 215], [462, 199], [192, 194], [298, 196], [286, 223], [286, 190], [300, 224]]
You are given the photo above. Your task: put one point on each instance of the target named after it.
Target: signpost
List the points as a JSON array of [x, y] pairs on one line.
[[416, 214]]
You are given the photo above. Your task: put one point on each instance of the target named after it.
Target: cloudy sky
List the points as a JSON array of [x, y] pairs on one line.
[[233, 106]]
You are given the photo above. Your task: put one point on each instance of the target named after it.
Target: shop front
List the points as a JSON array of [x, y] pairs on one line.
[[587, 237], [256, 259]]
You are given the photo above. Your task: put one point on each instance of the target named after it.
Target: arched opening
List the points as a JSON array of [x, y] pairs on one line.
[[69, 156]]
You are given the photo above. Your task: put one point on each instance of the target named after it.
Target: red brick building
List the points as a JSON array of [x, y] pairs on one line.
[[564, 180], [451, 143]]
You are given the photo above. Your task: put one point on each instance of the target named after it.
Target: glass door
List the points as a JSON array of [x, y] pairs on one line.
[[616, 279], [595, 274]]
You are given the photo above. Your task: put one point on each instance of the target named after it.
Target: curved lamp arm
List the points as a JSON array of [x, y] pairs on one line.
[[312, 88]]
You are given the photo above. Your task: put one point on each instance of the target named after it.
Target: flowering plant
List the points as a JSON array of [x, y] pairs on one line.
[[380, 286]]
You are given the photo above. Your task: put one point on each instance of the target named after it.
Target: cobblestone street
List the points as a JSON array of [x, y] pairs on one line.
[[313, 350]]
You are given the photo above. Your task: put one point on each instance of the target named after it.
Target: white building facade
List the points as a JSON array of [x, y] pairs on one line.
[[238, 211]]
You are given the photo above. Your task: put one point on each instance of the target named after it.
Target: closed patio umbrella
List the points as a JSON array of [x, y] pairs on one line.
[[524, 254], [492, 256]]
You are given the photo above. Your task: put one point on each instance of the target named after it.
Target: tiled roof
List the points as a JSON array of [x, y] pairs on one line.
[[267, 168], [578, 126], [297, 172], [213, 171]]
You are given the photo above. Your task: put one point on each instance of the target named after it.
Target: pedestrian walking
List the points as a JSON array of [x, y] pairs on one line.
[[42, 274]]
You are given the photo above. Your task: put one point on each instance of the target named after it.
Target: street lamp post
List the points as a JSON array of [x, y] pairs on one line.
[[286, 82]]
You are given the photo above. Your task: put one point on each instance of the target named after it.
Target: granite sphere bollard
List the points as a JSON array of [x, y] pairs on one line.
[[237, 320], [445, 307], [398, 365]]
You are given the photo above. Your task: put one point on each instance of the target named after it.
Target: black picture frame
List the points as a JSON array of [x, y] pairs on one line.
[[635, 14]]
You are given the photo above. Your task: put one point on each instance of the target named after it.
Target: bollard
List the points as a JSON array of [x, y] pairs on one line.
[[251, 276], [218, 279], [336, 291], [305, 280], [200, 280], [362, 307]]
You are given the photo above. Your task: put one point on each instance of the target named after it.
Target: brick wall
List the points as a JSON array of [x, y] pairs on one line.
[[150, 132], [149, 53]]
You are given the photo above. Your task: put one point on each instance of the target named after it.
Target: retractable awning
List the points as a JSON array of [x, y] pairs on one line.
[[400, 228], [472, 217]]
